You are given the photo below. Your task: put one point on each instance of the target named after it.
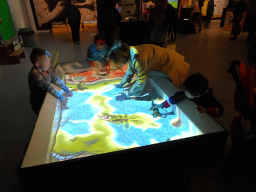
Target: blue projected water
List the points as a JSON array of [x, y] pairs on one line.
[[97, 123]]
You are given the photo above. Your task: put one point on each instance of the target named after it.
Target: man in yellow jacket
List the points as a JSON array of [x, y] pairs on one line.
[[144, 60]]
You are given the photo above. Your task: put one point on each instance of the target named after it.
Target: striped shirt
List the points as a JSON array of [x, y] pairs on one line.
[[40, 83]]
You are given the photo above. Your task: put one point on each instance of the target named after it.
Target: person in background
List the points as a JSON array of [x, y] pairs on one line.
[[145, 12], [40, 79], [163, 22], [209, 13], [108, 22], [2, 41], [196, 88], [240, 9], [196, 15], [97, 52], [201, 4], [74, 17], [47, 11], [147, 60]]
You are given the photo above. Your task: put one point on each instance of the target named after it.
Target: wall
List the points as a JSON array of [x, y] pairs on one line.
[[17, 12]]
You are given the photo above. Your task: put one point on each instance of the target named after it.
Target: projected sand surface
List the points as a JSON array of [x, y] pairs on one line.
[[97, 123]]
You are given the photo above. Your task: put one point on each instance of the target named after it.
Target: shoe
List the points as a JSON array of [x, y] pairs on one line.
[[78, 42], [75, 42]]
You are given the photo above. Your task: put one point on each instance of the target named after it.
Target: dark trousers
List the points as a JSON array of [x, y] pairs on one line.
[[75, 28], [208, 20], [36, 102], [196, 18]]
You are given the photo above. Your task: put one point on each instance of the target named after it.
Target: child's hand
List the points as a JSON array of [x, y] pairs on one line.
[[201, 109], [157, 106], [119, 85], [64, 103], [121, 97], [70, 94]]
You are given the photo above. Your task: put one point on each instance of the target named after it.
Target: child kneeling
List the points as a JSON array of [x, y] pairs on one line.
[[196, 89], [97, 54]]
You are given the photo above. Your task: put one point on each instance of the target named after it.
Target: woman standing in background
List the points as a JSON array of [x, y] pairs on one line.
[[163, 22], [74, 16], [108, 22]]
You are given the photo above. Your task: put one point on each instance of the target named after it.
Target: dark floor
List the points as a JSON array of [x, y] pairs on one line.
[[209, 52]]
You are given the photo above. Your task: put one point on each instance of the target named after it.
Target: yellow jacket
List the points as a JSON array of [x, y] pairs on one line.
[[148, 57]]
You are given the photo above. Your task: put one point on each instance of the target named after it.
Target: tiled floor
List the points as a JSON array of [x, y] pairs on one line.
[[209, 52]]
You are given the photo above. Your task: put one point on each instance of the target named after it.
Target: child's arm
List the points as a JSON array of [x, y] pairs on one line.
[[140, 83], [57, 81], [39, 81], [127, 77], [90, 52], [176, 98]]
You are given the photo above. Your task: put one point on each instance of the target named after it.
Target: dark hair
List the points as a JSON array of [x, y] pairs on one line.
[[98, 37], [119, 52], [36, 54], [196, 84]]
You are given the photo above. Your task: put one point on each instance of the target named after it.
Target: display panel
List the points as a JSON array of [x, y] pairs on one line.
[[97, 123], [174, 3]]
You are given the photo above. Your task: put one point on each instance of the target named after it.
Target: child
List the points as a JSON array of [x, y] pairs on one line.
[[146, 60], [196, 89], [97, 52], [40, 79], [196, 14]]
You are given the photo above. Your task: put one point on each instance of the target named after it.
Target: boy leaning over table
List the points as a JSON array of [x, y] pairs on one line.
[[40, 79]]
